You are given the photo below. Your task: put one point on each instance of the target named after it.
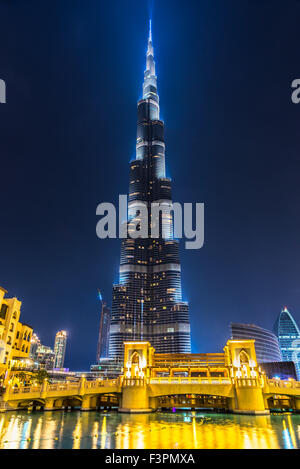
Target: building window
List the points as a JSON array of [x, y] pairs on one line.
[[3, 311]]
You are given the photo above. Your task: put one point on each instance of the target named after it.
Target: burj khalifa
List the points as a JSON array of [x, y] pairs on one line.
[[147, 302]]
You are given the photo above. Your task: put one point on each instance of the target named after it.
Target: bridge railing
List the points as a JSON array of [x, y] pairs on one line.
[[100, 383], [25, 389], [73, 387], [62, 386], [289, 384], [190, 380]]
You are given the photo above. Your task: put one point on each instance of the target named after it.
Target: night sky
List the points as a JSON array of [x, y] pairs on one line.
[[74, 71]]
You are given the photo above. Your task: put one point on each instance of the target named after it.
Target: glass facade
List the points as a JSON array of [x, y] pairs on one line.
[[60, 349], [103, 338], [288, 335], [147, 302], [266, 343]]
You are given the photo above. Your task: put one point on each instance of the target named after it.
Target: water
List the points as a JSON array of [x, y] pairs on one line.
[[180, 430]]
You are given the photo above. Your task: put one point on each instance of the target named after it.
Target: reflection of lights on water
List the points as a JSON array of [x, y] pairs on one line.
[[161, 431], [95, 434], [292, 431], [286, 437], [77, 434], [25, 435], [37, 434], [195, 432], [103, 433]]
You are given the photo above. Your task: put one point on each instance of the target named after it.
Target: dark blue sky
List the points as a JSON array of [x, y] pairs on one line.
[[74, 72]]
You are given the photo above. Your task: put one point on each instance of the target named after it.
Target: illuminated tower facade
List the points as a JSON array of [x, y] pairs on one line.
[[147, 302], [288, 335], [60, 345], [103, 338]]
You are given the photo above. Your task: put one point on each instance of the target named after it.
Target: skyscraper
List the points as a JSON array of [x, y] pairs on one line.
[[60, 349], [34, 344], [288, 335], [103, 338], [147, 302]]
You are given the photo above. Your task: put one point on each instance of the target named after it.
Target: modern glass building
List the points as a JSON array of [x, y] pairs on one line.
[[288, 335], [103, 338], [60, 345], [266, 343], [147, 302]]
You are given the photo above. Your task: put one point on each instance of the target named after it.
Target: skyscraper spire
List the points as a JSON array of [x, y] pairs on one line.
[[150, 79], [150, 30]]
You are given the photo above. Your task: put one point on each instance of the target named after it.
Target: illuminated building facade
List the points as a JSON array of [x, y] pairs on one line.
[[266, 343], [103, 338], [34, 344], [60, 349], [45, 357], [15, 336], [147, 302], [288, 335]]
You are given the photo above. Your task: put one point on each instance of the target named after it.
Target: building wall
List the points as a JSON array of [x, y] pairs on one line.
[[266, 343], [15, 336], [45, 356], [282, 370]]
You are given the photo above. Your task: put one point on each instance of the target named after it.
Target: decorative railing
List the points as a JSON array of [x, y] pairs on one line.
[[100, 383], [73, 387], [187, 380], [290, 384], [26, 389], [248, 382], [133, 381]]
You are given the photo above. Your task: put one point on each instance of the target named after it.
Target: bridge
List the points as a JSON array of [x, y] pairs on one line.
[[231, 381]]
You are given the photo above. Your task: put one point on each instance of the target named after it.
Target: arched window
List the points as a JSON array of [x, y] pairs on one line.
[[135, 358], [244, 358], [15, 315], [23, 348]]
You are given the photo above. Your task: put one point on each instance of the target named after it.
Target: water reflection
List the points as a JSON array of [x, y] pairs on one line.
[[182, 430]]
